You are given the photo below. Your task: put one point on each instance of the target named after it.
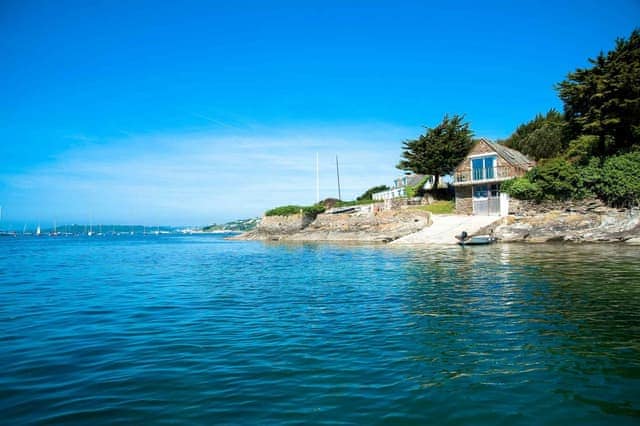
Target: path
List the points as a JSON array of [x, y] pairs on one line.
[[445, 227]]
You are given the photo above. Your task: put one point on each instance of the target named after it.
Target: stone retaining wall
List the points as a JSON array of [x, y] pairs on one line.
[[286, 225]]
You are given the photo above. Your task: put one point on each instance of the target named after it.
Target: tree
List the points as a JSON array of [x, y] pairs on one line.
[[439, 150], [604, 100], [542, 137]]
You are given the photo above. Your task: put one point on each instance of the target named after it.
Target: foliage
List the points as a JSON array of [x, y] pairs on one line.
[[439, 150], [559, 179], [619, 182], [416, 190], [555, 179], [542, 137], [602, 125], [368, 194], [582, 148], [354, 203], [604, 100], [522, 188], [440, 207], [289, 210]]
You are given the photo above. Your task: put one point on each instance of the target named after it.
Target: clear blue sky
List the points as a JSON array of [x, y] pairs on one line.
[[194, 112]]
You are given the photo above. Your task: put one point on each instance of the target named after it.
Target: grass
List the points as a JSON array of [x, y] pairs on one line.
[[439, 207]]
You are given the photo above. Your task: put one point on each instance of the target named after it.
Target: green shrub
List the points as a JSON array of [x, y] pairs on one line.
[[311, 211], [559, 179], [619, 183], [581, 148], [284, 211], [522, 188], [417, 190]]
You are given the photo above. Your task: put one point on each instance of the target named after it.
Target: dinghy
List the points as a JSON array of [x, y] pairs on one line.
[[465, 240]]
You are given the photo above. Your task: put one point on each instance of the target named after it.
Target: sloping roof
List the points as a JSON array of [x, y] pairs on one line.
[[414, 179], [513, 157]]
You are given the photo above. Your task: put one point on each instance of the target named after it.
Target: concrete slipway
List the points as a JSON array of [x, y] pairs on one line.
[[445, 227]]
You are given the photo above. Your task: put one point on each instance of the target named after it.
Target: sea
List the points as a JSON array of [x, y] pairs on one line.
[[196, 329]]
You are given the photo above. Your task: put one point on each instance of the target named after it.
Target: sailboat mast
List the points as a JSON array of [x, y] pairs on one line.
[[338, 173], [317, 179]]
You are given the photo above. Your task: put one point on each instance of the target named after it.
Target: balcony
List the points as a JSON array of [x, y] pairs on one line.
[[486, 175]]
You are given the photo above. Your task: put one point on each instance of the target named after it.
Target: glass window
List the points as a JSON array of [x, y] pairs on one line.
[[489, 163], [480, 191], [495, 191], [477, 165]]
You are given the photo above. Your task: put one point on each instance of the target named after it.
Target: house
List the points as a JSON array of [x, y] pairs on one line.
[[399, 187], [477, 178]]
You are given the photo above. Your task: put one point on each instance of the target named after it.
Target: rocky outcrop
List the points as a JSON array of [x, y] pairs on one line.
[[367, 226], [580, 221], [598, 224]]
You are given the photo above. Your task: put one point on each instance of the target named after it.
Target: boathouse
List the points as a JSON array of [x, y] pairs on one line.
[[477, 179]]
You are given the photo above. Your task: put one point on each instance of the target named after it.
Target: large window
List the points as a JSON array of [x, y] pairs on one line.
[[483, 168]]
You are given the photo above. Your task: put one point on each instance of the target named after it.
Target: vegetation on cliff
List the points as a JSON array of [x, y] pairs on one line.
[[593, 149], [311, 211]]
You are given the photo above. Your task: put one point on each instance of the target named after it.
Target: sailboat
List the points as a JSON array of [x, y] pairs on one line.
[[55, 232], [38, 231]]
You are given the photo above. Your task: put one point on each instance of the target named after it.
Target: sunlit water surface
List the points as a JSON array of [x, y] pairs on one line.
[[198, 330]]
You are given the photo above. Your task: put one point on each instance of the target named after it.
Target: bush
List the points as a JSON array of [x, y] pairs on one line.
[[283, 211], [559, 179], [417, 190], [619, 183], [522, 188], [311, 211]]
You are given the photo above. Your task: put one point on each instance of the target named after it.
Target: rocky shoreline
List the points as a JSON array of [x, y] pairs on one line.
[[581, 222], [360, 226], [595, 225]]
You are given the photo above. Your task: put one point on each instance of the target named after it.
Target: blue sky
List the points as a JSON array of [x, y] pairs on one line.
[[198, 112]]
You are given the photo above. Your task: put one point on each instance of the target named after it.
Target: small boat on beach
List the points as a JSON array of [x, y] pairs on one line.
[[477, 240]]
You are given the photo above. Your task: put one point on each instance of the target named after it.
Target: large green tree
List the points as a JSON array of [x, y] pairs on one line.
[[542, 137], [604, 100], [439, 150]]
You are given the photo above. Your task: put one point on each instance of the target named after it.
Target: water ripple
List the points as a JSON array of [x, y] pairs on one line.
[[200, 330]]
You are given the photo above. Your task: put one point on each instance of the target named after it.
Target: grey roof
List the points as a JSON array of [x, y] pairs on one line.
[[414, 179], [513, 157]]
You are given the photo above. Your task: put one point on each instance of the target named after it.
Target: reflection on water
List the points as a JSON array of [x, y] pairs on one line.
[[200, 330]]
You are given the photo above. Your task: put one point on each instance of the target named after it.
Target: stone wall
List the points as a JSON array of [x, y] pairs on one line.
[[464, 200], [533, 208], [363, 226], [276, 225]]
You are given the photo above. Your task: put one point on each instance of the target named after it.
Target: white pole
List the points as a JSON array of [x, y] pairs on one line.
[[317, 179]]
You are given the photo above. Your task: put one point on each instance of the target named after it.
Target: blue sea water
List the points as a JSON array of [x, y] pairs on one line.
[[199, 330]]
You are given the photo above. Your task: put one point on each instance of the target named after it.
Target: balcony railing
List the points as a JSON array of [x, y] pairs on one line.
[[490, 174]]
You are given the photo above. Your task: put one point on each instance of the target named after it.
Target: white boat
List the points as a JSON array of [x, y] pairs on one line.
[[478, 240]]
